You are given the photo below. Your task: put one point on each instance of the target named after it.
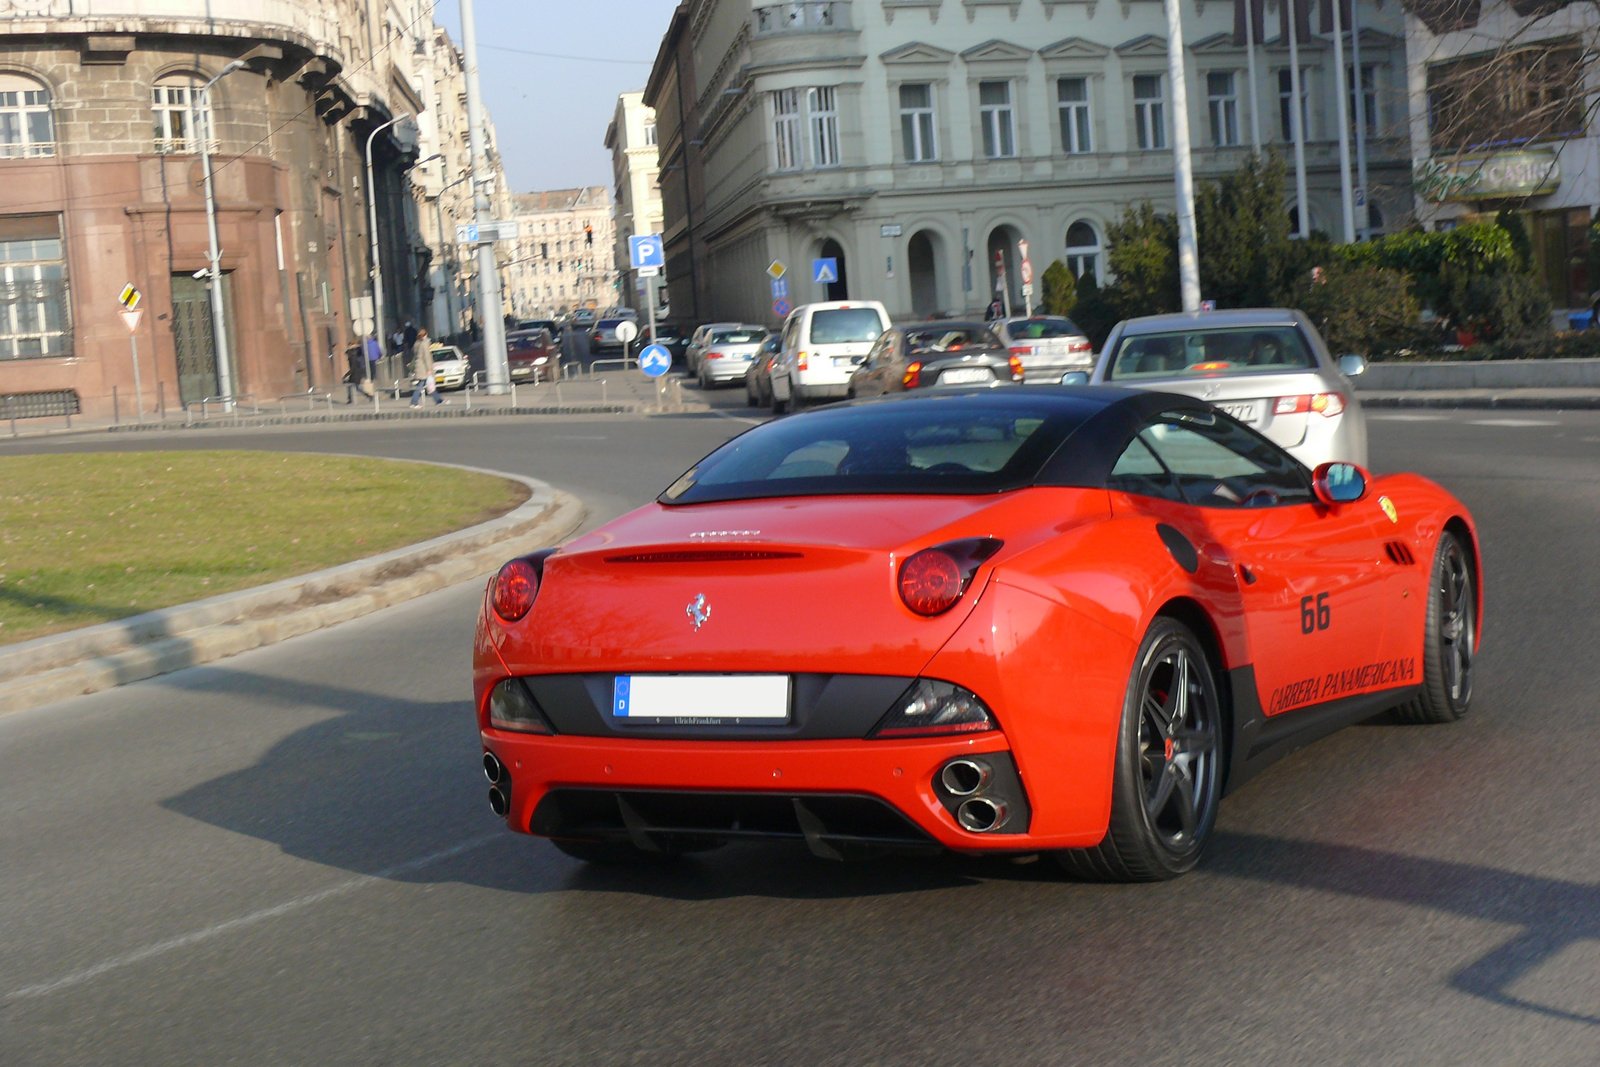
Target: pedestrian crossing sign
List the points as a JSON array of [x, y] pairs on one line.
[[825, 271]]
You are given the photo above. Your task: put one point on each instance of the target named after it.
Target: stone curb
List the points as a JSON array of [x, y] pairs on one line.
[[1502, 401], [47, 669]]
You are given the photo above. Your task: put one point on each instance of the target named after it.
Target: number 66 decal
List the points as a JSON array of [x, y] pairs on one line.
[[1314, 613]]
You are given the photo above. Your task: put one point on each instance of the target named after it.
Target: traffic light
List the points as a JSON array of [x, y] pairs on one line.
[[588, 234]]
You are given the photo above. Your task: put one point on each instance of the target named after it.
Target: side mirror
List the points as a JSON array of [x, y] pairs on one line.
[[1339, 483], [1075, 377], [1352, 365]]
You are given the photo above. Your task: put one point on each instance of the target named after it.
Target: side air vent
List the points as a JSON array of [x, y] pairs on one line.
[[702, 555], [1399, 552]]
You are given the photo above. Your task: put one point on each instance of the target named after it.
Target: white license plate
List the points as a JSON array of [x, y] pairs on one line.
[[964, 375], [701, 699], [1243, 412]]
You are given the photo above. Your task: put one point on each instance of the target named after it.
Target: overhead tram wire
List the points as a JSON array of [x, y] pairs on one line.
[[575, 59]]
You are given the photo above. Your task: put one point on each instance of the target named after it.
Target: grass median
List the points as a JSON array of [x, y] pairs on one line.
[[90, 538]]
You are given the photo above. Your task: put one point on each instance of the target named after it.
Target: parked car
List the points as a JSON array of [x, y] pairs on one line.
[[1048, 345], [603, 336], [1267, 367], [533, 355], [823, 344], [584, 317], [727, 353], [451, 368], [933, 355], [542, 324], [697, 343], [758, 375], [674, 339]]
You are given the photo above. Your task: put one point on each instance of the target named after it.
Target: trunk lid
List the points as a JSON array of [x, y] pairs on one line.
[[1250, 399]]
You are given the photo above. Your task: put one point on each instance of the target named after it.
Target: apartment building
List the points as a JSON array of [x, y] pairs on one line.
[[563, 256], [635, 164], [1500, 120], [103, 121], [914, 141]]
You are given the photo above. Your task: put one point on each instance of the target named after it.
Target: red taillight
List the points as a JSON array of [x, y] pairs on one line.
[[1078, 346], [930, 582], [514, 589], [912, 377], [1016, 369], [1216, 364], [713, 355], [1325, 404], [1021, 351], [800, 361]]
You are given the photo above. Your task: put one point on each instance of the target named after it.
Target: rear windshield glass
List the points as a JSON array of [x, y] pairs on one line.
[[608, 324], [445, 353], [948, 445], [840, 326], [1037, 329], [525, 340], [738, 337], [1206, 353], [933, 340]]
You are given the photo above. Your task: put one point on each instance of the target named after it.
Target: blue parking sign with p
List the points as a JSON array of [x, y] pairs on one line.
[[645, 250]]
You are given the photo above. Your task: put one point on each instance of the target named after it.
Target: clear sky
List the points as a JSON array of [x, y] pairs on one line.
[[550, 110]]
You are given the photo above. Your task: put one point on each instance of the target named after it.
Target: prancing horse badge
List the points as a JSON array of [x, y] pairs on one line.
[[698, 611]]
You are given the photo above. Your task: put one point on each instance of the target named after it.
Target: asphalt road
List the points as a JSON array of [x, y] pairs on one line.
[[286, 857]]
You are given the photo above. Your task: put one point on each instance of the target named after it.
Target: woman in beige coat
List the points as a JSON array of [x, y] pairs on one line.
[[422, 370]]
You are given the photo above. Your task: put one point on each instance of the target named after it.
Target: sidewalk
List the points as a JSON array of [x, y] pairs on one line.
[[617, 392], [1546, 399]]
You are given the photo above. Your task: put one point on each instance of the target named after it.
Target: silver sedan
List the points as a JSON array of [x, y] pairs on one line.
[[1268, 368]]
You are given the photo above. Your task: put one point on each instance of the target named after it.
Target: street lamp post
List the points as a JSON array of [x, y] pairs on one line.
[[219, 325], [377, 264], [490, 309], [1183, 165], [450, 274]]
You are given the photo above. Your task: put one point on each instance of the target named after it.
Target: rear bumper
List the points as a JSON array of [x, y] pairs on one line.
[[724, 370], [546, 773]]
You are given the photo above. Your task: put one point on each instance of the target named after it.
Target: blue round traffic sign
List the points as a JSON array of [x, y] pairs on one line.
[[655, 360]]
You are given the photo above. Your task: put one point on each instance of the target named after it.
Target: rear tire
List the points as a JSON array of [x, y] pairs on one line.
[[779, 407], [1449, 638], [1167, 782]]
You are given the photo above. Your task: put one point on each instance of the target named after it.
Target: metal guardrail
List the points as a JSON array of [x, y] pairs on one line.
[[621, 364], [310, 396], [224, 401]]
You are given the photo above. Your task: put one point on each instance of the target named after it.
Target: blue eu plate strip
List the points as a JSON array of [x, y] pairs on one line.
[[620, 695]]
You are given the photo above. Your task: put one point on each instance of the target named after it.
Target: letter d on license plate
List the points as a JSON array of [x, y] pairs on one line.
[[701, 699]]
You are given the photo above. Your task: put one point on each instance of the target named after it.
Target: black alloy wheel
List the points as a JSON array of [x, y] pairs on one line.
[[1168, 777], [1450, 637]]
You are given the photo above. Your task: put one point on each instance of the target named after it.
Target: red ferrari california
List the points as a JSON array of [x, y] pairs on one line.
[[1053, 620]]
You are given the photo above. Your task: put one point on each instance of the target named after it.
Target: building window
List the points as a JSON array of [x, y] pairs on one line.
[[34, 306], [649, 133], [1513, 96], [1223, 102], [1083, 251], [916, 123], [786, 128], [1149, 111], [26, 126], [999, 123], [1285, 93], [824, 110], [1368, 98], [1072, 101], [175, 104]]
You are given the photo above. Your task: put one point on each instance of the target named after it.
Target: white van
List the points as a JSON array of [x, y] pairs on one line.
[[823, 344]]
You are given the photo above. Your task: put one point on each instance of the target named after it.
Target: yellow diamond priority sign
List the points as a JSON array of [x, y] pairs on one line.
[[776, 269], [130, 297]]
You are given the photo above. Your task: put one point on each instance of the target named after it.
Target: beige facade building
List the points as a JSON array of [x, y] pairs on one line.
[[635, 167], [562, 258], [102, 125], [911, 141]]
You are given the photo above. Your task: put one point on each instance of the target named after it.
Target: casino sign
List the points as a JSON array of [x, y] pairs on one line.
[[1503, 176]]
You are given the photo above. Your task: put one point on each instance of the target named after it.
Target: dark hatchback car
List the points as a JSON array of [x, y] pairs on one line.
[[934, 354], [673, 338], [603, 337], [758, 375], [542, 324], [533, 355]]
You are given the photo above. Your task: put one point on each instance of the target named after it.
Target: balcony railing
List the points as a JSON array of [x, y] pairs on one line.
[[177, 146], [34, 150], [802, 16]]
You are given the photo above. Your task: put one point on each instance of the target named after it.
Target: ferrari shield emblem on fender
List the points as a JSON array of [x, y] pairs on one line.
[[1388, 509], [698, 611]]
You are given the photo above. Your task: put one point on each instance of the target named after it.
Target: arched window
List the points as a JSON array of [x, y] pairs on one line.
[[1374, 218], [26, 126], [1083, 251], [175, 111]]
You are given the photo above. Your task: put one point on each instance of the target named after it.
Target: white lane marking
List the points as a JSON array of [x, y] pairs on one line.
[[1384, 416], [184, 941], [739, 418], [1513, 422]]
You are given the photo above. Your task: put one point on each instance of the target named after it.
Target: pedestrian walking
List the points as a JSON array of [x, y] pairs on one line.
[[369, 377], [422, 370], [410, 335], [355, 370]]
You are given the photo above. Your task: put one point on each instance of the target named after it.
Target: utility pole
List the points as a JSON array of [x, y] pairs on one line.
[[377, 262], [1182, 165], [490, 312], [1297, 119], [1346, 200], [219, 325]]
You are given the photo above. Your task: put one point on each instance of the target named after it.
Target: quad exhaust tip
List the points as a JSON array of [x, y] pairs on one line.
[[493, 769], [962, 777], [981, 815], [498, 801]]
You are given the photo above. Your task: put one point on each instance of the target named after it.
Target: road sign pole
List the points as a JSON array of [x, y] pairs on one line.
[[138, 393]]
